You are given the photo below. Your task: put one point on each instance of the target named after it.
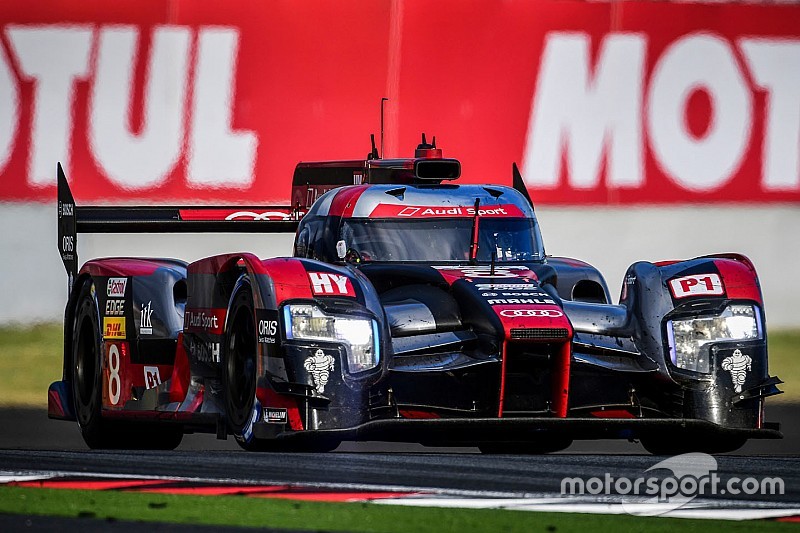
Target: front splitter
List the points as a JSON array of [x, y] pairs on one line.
[[473, 431]]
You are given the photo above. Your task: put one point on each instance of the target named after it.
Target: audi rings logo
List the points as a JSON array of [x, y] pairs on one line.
[[267, 215], [549, 313]]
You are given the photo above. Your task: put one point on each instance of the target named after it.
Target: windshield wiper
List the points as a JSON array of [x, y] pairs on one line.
[[473, 246]]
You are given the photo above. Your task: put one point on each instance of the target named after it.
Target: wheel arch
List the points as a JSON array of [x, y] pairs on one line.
[[579, 281]]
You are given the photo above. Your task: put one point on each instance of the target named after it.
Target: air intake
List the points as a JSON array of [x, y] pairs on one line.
[[437, 169], [539, 333]]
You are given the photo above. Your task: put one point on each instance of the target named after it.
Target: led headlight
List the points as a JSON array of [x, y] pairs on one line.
[[688, 337], [358, 334]]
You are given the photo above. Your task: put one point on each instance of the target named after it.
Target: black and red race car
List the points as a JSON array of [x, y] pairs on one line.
[[414, 309]]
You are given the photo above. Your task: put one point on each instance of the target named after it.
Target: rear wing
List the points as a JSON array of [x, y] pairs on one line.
[[161, 219]]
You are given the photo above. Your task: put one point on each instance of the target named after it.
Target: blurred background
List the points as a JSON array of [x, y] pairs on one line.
[[645, 130]]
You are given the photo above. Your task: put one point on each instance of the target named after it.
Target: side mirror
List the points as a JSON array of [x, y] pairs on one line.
[[341, 249]]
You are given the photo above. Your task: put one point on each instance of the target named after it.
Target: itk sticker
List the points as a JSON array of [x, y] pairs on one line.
[[146, 327]]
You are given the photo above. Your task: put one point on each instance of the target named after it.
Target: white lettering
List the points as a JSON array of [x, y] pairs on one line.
[[217, 155], [144, 159], [691, 63], [115, 307], [770, 63], [340, 281], [587, 115], [205, 352], [320, 283], [146, 325], [201, 320], [323, 283], [55, 57], [267, 327], [514, 301]]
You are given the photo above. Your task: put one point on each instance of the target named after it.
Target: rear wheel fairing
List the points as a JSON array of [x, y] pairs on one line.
[[140, 306], [149, 294]]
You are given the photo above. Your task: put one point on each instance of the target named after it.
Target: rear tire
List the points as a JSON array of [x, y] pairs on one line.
[[87, 383], [86, 376]]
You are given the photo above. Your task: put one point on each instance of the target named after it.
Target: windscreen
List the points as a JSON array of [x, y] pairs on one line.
[[441, 239]]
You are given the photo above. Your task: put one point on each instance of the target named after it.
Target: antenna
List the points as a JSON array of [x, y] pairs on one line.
[[384, 99], [373, 154], [473, 246]]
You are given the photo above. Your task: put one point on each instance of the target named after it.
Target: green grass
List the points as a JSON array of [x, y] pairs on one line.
[[30, 359], [784, 362], [354, 517]]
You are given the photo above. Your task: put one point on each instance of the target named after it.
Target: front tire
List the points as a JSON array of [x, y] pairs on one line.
[[241, 406]]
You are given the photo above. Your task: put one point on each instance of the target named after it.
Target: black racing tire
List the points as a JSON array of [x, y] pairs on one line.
[[539, 447], [87, 394], [86, 373], [661, 445], [242, 408], [239, 370]]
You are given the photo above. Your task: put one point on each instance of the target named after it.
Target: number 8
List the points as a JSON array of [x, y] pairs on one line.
[[113, 363]]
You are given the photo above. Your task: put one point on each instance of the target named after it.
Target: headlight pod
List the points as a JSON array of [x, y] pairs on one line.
[[688, 337], [358, 334]]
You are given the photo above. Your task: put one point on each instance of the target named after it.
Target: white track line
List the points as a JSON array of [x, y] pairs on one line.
[[426, 497], [711, 509]]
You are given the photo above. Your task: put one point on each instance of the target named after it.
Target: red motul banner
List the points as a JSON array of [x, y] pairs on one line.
[[193, 101]]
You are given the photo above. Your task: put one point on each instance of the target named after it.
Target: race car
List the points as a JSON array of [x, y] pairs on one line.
[[413, 309]]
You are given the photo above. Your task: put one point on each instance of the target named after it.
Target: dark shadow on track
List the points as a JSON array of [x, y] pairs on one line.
[[30, 429]]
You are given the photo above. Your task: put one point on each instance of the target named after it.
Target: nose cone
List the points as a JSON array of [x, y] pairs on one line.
[[532, 321]]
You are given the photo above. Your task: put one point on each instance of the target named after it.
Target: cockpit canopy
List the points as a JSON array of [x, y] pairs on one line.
[[381, 223], [408, 210], [440, 239]]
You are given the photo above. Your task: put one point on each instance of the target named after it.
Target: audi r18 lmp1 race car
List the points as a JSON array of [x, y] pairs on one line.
[[413, 309]]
